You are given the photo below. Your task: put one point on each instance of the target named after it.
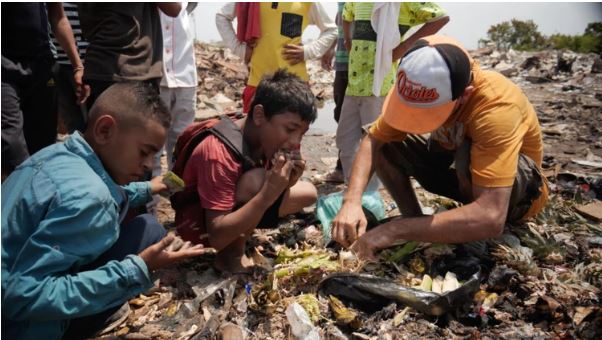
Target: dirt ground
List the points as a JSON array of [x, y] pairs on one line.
[[542, 279]]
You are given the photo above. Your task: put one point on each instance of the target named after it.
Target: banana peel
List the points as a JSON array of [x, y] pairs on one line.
[[343, 315], [306, 265]]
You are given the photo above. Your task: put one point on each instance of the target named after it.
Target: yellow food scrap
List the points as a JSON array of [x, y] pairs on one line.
[[174, 182], [450, 283], [427, 283], [437, 285], [344, 315]]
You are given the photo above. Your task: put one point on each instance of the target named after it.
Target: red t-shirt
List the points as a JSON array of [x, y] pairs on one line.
[[215, 172]]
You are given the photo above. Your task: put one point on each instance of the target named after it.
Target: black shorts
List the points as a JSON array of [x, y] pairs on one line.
[[270, 218]]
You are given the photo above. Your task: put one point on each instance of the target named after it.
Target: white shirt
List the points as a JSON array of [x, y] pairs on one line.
[[179, 66]]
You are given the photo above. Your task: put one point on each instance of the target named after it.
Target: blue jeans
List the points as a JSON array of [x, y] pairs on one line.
[[135, 235]]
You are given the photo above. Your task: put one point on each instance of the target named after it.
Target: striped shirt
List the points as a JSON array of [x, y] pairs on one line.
[[341, 58], [71, 14]]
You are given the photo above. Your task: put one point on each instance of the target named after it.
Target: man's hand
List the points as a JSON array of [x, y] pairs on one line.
[[158, 255], [347, 44], [369, 243], [349, 224], [326, 59], [82, 90], [248, 54], [294, 54]]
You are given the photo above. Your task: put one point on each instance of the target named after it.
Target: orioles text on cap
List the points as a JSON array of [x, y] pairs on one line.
[[414, 92]]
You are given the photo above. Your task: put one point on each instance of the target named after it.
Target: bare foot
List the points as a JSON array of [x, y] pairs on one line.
[[233, 264]]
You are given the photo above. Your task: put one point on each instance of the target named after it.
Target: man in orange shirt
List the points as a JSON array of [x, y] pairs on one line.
[[484, 150]]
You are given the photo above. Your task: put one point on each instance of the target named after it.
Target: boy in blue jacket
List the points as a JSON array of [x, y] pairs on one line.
[[68, 262]]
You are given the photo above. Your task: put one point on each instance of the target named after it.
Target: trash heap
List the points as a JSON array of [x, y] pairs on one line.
[[222, 77], [541, 279]]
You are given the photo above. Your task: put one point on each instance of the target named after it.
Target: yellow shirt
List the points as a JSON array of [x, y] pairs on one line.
[[279, 26], [501, 123]]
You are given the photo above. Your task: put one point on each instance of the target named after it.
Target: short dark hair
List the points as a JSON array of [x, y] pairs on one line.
[[284, 91], [130, 101]]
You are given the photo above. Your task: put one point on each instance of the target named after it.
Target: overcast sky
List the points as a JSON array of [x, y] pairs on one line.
[[468, 21]]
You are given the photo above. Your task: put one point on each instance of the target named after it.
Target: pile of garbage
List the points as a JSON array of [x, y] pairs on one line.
[[566, 91], [541, 278], [222, 77]]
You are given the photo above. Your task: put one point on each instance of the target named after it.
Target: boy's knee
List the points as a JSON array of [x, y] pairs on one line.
[[249, 185], [306, 193]]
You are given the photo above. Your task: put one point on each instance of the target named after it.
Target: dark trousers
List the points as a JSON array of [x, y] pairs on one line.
[[447, 173], [135, 235], [29, 118], [340, 86]]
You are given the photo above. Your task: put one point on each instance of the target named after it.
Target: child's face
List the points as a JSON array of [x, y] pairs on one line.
[[282, 131], [131, 151]]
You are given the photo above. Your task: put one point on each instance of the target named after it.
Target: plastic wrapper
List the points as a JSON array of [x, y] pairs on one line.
[[371, 293]]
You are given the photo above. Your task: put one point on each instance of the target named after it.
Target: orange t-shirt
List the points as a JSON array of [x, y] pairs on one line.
[[501, 123]]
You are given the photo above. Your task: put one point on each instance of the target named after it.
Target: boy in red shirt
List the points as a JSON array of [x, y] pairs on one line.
[[234, 202]]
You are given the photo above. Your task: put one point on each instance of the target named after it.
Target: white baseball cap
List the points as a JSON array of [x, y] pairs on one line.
[[431, 76]]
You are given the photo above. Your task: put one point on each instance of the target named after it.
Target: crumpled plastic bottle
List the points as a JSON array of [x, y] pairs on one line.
[[301, 325]]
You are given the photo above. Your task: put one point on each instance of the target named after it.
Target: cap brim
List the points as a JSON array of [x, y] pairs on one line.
[[411, 119]]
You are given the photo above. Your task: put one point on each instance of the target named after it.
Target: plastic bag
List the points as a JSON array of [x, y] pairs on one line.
[[328, 206]]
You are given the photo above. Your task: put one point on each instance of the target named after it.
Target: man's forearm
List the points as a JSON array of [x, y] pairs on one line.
[[427, 29], [223, 22], [361, 171], [63, 33], [465, 224], [346, 30]]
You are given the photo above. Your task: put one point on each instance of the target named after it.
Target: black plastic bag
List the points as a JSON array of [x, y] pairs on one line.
[[371, 293]]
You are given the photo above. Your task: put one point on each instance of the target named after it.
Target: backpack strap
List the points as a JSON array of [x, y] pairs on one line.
[[230, 134]]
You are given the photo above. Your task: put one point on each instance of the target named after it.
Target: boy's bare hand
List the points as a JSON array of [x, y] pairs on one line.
[[157, 186], [294, 54], [298, 167], [277, 178], [158, 255]]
